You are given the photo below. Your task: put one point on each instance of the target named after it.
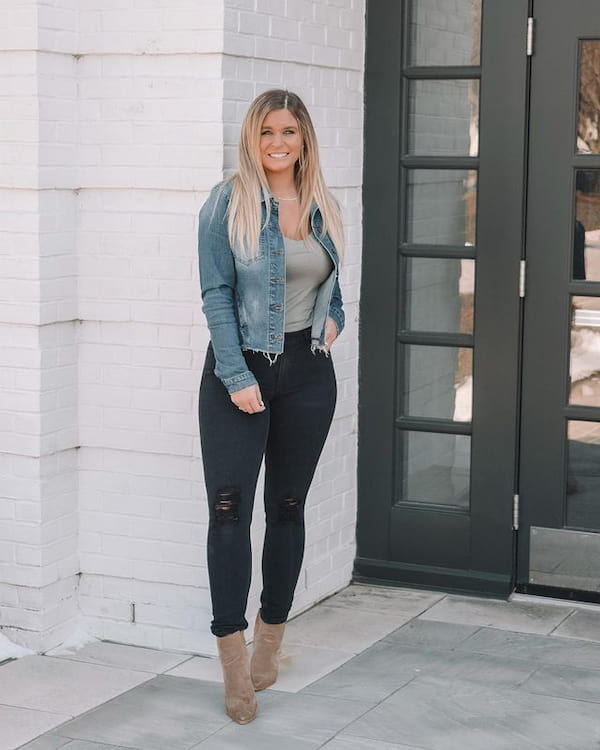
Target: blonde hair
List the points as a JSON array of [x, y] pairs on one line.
[[250, 184]]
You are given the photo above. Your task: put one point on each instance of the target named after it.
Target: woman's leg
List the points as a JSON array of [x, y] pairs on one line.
[[233, 444], [301, 414]]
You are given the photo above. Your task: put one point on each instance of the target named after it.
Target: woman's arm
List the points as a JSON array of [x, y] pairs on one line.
[[217, 284]]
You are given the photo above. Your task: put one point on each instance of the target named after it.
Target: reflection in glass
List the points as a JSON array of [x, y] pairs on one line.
[[585, 351], [441, 206], [443, 117], [439, 382], [588, 121], [434, 468], [583, 475], [439, 295], [586, 238], [445, 32]]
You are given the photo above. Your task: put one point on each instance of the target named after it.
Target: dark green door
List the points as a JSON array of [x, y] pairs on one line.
[[446, 94], [559, 535]]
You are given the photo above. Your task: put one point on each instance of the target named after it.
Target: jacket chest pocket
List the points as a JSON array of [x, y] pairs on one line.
[[247, 258]]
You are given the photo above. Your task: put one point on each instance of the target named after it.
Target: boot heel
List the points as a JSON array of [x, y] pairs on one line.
[[264, 666]]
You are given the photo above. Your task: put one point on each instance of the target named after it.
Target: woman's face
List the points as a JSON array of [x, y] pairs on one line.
[[280, 142]]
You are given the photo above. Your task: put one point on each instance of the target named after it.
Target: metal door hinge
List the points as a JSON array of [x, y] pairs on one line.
[[522, 270], [515, 512], [530, 35]]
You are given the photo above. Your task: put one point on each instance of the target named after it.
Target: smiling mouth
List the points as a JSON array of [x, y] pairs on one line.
[[279, 156]]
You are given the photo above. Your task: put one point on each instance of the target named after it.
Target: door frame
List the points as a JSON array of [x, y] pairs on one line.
[[545, 400], [488, 565]]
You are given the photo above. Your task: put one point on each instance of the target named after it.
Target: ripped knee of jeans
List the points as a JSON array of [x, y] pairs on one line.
[[290, 510], [227, 505]]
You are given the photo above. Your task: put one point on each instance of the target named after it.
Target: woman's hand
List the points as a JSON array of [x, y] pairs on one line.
[[330, 333], [248, 399]]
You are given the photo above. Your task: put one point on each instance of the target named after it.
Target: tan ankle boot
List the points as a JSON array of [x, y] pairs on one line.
[[264, 665], [240, 701]]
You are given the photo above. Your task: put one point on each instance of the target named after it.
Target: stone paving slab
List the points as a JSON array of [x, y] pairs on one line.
[[43, 683], [581, 624], [19, 725], [389, 665], [492, 613], [231, 738], [436, 714], [340, 629], [384, 599], [565, 682], [300, 665], [539, 648], [124, 656], [166, 712], [48, 742], [358, 743], [431, 634], [293, 720]]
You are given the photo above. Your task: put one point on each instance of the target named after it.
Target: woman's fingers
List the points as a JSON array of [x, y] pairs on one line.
[[249, 400], [330, 332]]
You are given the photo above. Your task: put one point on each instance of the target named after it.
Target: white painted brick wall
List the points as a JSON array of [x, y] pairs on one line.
[[136, 107]]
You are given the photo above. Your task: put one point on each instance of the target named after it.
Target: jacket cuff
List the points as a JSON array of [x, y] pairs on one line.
[[237, 382]]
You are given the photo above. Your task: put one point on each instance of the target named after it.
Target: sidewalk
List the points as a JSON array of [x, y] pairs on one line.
[[369, 669]]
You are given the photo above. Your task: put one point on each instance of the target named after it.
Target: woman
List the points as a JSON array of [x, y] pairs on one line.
[[270, 239]]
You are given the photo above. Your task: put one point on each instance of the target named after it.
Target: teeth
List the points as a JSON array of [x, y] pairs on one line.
[[278, 156]]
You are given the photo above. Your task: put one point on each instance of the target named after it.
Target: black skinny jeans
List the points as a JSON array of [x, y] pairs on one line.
[[299, 392]]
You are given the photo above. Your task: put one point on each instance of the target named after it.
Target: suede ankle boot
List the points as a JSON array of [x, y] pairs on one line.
[[264, 665], [240, 701]]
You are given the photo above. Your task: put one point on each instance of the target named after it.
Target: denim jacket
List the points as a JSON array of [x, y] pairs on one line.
[[243, 300]]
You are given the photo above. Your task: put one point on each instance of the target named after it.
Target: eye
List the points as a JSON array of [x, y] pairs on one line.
[[289, 131], [265, 132]]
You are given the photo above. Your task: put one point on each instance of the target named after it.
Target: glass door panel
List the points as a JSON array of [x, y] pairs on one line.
[[439, 294], [586, 241], [440, 206], [583, 475], [443, 117], [445, 32], [588, 116]]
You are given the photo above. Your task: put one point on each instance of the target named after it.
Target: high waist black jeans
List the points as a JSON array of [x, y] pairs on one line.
[[299, 392]]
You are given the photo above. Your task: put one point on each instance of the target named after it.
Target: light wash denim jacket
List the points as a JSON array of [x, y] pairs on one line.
[[243, 300]]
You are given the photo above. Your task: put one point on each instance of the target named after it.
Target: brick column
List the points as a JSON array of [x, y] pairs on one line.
[[38, 369]]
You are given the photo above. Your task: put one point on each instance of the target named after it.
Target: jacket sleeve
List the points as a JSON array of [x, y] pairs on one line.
[[217, 285]]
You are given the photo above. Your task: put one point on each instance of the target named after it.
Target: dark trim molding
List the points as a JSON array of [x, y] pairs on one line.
[[450, 580]]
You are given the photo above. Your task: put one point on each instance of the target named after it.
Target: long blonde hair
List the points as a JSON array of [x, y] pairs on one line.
[[250, 184]]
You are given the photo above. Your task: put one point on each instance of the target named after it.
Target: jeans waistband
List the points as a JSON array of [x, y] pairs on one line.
[[296, 340]]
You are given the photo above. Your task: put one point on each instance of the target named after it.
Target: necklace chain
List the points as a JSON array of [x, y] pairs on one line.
[[295, 198]]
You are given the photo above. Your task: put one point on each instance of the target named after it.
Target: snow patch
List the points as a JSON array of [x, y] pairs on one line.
[[73, 642], [10, 650], [585, 354]]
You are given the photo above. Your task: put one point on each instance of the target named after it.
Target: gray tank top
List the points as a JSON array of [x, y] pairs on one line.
[[307, 265]]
